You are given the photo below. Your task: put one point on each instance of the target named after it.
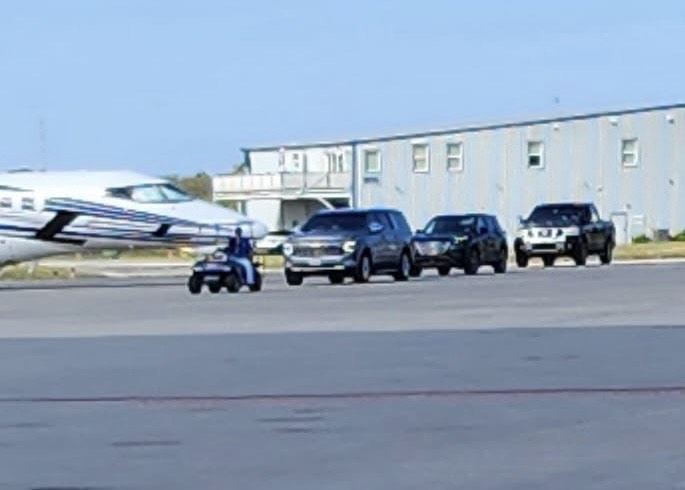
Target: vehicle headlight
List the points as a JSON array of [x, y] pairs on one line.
[[571, 231], [349, 246], [287, 249]]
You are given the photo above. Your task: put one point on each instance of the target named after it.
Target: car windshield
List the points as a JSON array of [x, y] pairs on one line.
[[556, 215], [450, 224], [336, 222]]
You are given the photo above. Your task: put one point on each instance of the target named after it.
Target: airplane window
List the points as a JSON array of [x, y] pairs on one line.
[[147, 193], [150, 193], [119, 193], [27, 204], [174, 194]]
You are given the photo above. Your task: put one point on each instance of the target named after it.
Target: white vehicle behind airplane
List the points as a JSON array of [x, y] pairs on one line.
[[47, 213]]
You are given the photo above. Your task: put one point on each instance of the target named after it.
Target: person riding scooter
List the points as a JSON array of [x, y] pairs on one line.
[[240, 251]]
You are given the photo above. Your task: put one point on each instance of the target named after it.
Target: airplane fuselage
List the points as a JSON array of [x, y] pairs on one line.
[[44, 214]]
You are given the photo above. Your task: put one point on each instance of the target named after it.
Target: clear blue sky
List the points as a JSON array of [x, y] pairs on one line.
[[176, 86]]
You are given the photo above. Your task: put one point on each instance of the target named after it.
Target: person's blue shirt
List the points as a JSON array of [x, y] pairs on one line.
[[242, 248]]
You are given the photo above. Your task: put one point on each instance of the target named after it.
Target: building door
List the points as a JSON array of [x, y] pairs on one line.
[[620, 220]]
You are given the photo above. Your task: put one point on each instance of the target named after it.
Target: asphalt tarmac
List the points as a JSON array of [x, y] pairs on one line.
[[563, 378]]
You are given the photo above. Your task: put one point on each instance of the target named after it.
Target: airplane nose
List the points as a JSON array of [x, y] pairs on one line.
[[259, 229], [251, 227], [214, 215]]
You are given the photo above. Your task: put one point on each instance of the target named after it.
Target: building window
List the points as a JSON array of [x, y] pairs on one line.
[[455, 157], [629, 152], [420, 158], [536, 154], [334, 162], [5, 202], [372, 161]]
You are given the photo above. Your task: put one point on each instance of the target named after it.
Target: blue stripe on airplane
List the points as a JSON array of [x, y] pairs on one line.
[[63, 204], [117, 214], [113, 235]]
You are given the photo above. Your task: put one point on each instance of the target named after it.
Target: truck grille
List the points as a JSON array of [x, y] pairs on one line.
[[545, 246], [432, 247], [317, 251]]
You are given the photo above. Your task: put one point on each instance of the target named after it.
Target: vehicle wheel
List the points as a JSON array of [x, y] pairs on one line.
[[257, 286], [472, 263], [232, 283], [404, 268], [195, 284], [214, 287], [415, 271], [363, 270], [336, 278], [293, 278], [521, 260], [607, 254], [548, 261], [500, 266], [444, 271], [580, 254]]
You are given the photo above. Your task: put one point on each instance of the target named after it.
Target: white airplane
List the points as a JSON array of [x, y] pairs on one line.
[[47, 213]]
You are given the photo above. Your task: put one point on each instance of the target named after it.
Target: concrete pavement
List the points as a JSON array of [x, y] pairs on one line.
[[563, 378]]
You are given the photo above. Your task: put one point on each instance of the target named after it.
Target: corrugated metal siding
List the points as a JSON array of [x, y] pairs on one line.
[[582, 161], [678, 144]]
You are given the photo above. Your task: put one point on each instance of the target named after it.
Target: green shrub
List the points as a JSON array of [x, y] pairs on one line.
[[641, 239], [680, 237]]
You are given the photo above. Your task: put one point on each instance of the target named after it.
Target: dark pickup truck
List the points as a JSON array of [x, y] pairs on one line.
[[572, 230]]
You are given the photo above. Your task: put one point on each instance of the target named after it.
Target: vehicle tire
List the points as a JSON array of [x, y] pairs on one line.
[[521, 260], [415, 271], [500, 266], [336, 278], [257, 286], [444, 271], [580, 254], [607, 254], [293, 278], [548, 261], [404, 267], [362, 272], [195, 284], [214, 287], [232, 283], [472, 263]]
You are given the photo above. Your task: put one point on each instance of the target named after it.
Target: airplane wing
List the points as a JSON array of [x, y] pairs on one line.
[[116, 222]]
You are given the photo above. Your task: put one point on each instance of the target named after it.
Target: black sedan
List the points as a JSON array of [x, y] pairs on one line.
[[460, 241]]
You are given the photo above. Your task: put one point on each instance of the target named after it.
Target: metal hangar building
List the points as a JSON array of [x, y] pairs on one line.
[[630, 163]]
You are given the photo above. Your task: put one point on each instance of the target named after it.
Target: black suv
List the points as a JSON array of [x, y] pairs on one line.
[[461, 241], [567, 229], [357, 243]]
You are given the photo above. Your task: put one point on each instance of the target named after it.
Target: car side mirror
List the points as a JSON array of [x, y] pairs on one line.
[[482, 230], [375, 227]]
